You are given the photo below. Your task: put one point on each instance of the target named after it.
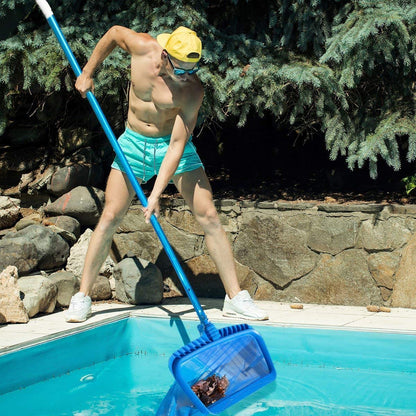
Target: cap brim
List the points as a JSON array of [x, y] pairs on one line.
[[163, 39]]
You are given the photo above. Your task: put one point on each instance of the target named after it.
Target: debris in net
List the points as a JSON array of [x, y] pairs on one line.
[[211, 389]]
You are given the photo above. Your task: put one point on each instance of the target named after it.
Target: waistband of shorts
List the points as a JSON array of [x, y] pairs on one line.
[[137, 136]]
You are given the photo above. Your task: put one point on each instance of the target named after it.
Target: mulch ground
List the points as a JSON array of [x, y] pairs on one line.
[[270, 190]]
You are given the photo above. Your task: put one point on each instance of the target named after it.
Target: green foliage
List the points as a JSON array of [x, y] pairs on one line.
[[409, 183], [342, 68]]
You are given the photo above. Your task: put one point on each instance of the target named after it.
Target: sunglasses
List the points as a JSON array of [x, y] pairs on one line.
[[181, 71]]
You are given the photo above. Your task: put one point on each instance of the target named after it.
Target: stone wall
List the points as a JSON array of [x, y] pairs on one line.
[[298, 252]]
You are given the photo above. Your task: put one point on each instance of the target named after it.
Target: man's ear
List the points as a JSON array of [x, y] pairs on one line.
[[164, 54]]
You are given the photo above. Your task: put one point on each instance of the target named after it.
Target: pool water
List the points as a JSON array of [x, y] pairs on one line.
[[121, 369]]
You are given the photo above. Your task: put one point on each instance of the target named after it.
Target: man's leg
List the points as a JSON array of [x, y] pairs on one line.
[[195, 188], [118, 196]]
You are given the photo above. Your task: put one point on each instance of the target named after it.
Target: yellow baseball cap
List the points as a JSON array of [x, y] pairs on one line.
[[183, 44]]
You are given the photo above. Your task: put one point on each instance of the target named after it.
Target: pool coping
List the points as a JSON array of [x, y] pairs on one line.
[[44, 328]]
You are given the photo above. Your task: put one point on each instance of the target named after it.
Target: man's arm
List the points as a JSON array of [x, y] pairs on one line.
[[123, 37], [184, 125]]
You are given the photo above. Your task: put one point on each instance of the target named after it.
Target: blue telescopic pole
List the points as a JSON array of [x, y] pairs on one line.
[[47, 11]]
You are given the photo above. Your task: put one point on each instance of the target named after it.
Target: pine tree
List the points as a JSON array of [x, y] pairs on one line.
[[342, 68]]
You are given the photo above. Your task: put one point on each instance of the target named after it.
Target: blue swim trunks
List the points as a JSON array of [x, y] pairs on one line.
[[145, 155]]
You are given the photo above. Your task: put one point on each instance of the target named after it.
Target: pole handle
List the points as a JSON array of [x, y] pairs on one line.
[[46, 9]]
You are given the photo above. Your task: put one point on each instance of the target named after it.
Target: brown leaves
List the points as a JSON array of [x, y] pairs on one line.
[[245, 70], [211, 390]]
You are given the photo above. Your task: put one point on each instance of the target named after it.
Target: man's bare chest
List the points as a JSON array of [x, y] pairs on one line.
[[154, 90]]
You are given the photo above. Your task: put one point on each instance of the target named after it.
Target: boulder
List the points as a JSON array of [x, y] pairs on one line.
[[284, 254], [340, 280], [67, 285], [332, 234], [67, 227], [39, 294], [140, 244], [203, 277], [30, 219], [183, 220], [51, 251], [19, 252], [12, 309], [83, 203], [383, 267], [259, 288], [66, 223], [9, 211], [66, 235], [75, 263], [101, 290], [138, 282], [383, 235], [68, 177]]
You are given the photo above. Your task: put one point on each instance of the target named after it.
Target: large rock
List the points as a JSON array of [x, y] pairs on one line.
[[66, 223], [19, 252], [185, 245], [139, 244], [383, 235], [404, 291], [332, 234], [101, 289], [51, 251], [203, 277], [39, 294], [138, 282], [81, 168], [68, 177], [83, 203], [67, 285], [183, 220], [383, 267], [273, 249], [31, 219], [136, 238], [258, 288], [340, 280], [12, 309], [9, 211], [76, 259], [67, 227]]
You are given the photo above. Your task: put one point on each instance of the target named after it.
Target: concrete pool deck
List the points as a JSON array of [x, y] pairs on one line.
[[44, 327]]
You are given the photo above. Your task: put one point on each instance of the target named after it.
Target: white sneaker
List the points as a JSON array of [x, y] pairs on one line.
[[242, 306], [79, 308]]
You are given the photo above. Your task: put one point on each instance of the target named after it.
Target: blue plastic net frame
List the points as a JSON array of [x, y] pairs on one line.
[[240, 354]]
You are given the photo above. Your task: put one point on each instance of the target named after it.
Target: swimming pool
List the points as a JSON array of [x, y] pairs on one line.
[[120, 368]]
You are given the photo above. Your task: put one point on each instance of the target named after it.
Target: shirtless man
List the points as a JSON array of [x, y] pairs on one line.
[[164, 100]]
